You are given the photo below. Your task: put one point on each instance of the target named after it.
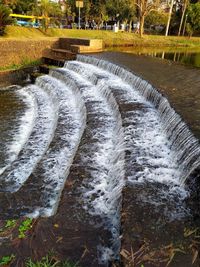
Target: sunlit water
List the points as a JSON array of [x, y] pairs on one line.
[[186, 56]]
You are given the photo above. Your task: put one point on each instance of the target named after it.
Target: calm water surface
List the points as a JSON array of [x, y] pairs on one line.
[[188, 56]]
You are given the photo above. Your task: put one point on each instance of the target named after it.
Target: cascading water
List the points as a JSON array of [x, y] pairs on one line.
[[20, 137], [185, 146], [40, 171], [149, 156], [43, 130], [104, 156], [94, 116]]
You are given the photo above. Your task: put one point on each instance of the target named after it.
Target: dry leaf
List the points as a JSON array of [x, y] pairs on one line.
[[195, 256]]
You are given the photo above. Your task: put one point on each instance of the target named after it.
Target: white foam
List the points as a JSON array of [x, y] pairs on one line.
[[38, 141], [26, 122], [151, 157], [104, 157], [147, 135], [58, 159]]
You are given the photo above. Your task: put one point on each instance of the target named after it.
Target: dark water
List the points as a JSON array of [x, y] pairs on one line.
[[187, 56]]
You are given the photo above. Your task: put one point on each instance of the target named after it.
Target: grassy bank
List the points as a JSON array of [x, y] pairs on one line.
[[109, 38], [24, 64]]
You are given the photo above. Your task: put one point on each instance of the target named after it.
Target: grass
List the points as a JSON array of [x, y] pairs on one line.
[[50, 262], [44, 262], [109, 38], [25, 226], [5, 260], [24, 63]]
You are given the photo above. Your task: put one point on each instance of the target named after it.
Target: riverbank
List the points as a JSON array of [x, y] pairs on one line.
[[22, 44], [109, 38]]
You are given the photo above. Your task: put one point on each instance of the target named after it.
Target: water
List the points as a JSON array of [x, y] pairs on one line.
[[181, 139], [186, 56], [97, 117]]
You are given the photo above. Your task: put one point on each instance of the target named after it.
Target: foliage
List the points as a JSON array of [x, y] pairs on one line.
[[24, 227], [50, 11], [155, 18], [5, 18], [145, 7], [9, 224], [193, 16], [20, 6], [98, 11], [122, 10], [7, 259], [189, 29]]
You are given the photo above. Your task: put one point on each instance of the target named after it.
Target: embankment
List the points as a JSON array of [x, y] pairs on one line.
[[20, 51]]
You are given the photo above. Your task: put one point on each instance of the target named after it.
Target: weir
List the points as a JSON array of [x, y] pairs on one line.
[[94, 129], [185, 146]]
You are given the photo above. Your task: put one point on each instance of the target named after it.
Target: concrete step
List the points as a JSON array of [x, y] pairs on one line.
[[56, 61], [63, 53], [79, 45], [44, 69], [81, 49]]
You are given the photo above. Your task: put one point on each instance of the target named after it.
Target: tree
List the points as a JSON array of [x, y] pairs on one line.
[[193, 16], [145, 7], [86, 10], [23, 6], [98, 11], [121, 10], [185, 5], [5, 18], [8, 2], [50, 11], [156, 18], [128, 13], [169, 17]]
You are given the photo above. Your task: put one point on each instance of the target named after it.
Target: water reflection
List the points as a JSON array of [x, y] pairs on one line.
[[186, 56]]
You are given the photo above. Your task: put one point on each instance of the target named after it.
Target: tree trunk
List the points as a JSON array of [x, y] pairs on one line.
[[169, 18], [185, 24], [130, 25], [182, 17], [141, 29]]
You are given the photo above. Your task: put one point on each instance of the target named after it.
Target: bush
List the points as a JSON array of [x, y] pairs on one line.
[[5, 18]]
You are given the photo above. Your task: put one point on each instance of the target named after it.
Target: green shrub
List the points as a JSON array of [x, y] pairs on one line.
[[5, 18]]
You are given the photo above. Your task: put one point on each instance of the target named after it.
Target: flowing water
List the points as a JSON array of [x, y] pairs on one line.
[[119, 128]]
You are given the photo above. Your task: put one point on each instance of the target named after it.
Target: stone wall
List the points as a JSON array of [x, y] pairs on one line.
[[21, 51]]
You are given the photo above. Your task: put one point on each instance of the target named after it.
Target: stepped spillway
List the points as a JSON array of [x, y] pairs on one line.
[[93, 129]]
